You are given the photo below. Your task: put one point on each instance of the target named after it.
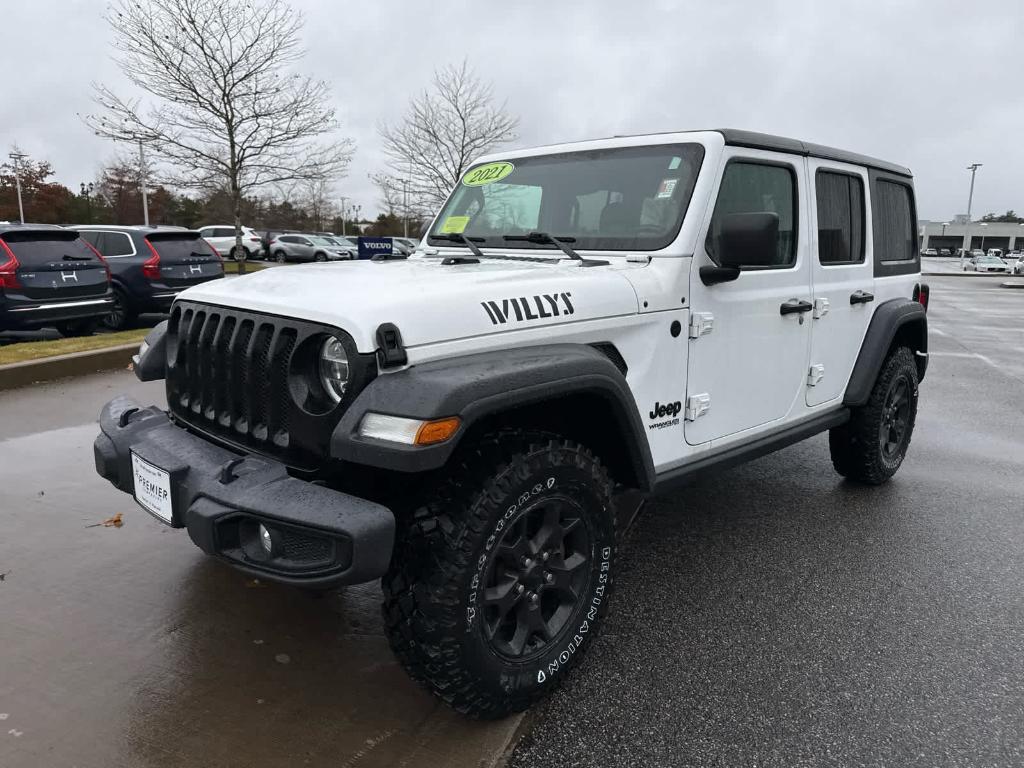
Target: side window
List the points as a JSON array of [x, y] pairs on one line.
[[896, 235], [286, 239], [116, 244], [753, 187], [92, 238], [840, 200], [223, 232]]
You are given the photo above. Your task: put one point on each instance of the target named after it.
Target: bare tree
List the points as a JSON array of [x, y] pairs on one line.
[[443, 131], [225, 111]]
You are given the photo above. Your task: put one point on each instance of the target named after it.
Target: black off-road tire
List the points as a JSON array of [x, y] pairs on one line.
[[76, 328], [871, 446], [449, 552]]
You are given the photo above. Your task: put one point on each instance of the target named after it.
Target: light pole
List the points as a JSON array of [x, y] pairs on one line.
[[405, 207], [344, 213], [355, 215], [86, 192], [973, 168], [17, 157], [142, 185]]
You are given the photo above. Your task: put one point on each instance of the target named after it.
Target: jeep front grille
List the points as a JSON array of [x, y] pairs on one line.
[[230, 374]]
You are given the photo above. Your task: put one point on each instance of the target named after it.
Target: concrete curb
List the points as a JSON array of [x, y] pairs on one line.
[[1011, 285], [29, 372]]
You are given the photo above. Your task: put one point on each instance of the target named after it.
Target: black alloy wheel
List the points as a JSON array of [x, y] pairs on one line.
[[896, 417], [536, 579]]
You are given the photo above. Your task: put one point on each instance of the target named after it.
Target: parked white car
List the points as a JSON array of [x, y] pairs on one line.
[[222, 238], [929, 252], [986, 264]]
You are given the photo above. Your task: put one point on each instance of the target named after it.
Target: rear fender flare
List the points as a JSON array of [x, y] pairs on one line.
[[903, 317]]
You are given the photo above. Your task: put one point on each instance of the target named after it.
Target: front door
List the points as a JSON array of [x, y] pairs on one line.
[[842, 276], [750, 337]]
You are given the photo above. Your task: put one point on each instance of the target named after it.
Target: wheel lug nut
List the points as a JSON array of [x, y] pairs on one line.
[[527, 562], [534, 598], [548, 578], [545, 556]]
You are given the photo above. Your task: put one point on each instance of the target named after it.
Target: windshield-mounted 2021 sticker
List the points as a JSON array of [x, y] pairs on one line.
[[487, 174], [454, 225]]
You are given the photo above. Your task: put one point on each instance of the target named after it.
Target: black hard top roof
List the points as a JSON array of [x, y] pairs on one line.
[[738, 138]]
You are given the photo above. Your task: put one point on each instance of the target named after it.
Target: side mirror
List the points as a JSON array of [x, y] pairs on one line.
[[748, 240]]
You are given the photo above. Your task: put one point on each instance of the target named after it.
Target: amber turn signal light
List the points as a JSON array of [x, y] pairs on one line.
[[437, 431]]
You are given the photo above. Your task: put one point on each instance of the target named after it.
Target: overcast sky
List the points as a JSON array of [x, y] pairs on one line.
[[932, 84]]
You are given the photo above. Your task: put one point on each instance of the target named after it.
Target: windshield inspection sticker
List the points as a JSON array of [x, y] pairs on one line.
[[454, 225], [666, 188], [487, 174]]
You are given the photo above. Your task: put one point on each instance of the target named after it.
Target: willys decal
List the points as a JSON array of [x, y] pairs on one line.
[[525, 308]]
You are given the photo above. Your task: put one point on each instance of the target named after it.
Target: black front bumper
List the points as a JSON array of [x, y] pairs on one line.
[[321, 537]]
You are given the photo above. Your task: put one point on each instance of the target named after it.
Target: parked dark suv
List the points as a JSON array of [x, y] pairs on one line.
[[150, 265], [49, 276]]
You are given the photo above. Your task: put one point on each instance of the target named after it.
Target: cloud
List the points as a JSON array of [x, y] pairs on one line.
[[929, 83]]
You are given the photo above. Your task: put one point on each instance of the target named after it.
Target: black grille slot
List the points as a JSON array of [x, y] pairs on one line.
[[230, 373]]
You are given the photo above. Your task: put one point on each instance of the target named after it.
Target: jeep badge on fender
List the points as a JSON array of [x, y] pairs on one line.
[[458, 423], [660, 411]]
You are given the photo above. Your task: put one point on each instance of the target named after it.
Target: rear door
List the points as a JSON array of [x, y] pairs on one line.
[[842, 275], [55, 265], [185, 258]]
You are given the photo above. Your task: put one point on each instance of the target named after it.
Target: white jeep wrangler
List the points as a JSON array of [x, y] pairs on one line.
[[580, 320]]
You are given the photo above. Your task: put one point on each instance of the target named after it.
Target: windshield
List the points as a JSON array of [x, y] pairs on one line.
[[626, 198], [990, 260], [320, 241]]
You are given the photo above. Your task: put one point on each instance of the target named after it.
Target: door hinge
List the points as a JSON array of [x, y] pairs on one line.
[[697, 406], [821, 308], [701, 323], [815, 374]]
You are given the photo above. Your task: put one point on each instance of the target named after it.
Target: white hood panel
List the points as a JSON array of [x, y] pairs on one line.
[[428, 301]]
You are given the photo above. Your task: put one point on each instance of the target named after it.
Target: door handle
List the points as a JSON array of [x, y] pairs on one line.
[[861, 297], [795, 306]]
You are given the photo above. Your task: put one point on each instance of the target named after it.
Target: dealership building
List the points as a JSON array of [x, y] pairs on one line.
[[976, 235]]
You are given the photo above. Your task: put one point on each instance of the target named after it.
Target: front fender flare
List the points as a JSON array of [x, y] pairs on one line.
[[480, 385]]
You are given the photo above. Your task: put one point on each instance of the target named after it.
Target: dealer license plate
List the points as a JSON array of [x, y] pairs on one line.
[[152, 488]]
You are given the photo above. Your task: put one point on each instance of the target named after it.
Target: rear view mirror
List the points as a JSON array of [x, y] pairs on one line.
[[748, 240]]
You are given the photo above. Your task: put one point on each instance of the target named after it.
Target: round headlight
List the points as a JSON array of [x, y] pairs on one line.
[[334, 368]]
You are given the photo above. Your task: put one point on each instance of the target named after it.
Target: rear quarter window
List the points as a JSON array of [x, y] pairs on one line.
[[894, 224]]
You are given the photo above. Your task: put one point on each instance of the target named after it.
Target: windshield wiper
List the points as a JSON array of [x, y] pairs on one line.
[[469, 242], [542, 238]]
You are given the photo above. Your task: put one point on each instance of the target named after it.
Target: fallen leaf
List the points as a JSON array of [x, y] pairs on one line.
[[110, 522]]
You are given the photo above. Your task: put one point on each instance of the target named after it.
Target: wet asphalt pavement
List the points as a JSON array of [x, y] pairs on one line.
[[771, 616], [129, 647], [775, 615]]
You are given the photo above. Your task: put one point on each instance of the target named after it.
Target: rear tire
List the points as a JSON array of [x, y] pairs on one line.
[[499, 583], [320, 256], [236, 253], [123, 315], [76, 328], [280, 257], [871, 446]]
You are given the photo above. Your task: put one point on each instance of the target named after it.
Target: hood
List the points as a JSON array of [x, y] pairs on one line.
[[428, 301]]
